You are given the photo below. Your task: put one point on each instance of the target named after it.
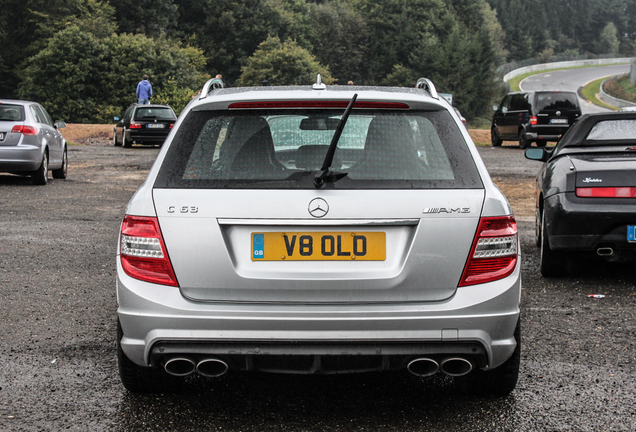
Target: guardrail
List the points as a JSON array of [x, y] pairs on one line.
[[563, 65]]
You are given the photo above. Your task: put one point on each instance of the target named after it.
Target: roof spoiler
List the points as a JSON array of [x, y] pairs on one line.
[[210, 86], [427, 84]]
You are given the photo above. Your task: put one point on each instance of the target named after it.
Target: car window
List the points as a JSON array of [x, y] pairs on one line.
[[46, 118], [519, 102], [277, 148], [37, 114], [128, 113], [11, 112], [154, 113], [613, 130], [556, 101]]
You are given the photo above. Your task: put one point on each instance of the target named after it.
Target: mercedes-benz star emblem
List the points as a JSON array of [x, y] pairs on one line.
[[318, 207], [558, 113]]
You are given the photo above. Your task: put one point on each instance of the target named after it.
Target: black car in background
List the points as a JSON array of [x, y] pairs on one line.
[[144, 124], [534, 116], [586, 192]]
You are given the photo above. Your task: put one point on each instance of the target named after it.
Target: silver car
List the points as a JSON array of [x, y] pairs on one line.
[[30, 143], [318, 229]]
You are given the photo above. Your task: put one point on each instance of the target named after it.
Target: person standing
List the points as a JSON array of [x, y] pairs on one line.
[[144, 91]]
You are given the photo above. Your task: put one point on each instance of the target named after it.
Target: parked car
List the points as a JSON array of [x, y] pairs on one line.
[[586, 192], [534, 116], [144, 124], [318, 229], [30, 142]]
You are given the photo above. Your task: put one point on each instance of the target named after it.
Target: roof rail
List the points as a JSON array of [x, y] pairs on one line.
[[427, 84], [211, 85]]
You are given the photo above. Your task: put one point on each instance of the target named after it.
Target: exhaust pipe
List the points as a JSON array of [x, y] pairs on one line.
[[605, 251], [179, 366], [456, 366], [212, 367], [423, 367]]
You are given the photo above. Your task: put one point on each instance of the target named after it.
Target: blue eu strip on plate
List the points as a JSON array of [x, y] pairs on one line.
[[631, 233]]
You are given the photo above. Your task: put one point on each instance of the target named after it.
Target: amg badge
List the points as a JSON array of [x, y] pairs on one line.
[[446, 210]]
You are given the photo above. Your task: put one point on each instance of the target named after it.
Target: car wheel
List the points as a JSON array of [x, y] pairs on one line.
[[140, 379], [62, 171], [523, 141], [115, 141], [500, 381], [127, 143], [541, 143], [41, 175], [494, 137], [552, 263]]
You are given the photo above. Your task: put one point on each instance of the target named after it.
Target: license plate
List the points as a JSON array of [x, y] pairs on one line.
[[631, 233], [559, 121], [155, 125], [319, 246]]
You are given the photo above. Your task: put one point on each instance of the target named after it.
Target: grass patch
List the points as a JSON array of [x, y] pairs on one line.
[[621, 88], [592, 89]]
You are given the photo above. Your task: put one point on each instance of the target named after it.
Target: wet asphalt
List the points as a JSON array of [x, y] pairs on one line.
[[58, 369]]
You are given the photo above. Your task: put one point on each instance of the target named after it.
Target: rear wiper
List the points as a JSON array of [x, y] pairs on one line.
[[325, 174]]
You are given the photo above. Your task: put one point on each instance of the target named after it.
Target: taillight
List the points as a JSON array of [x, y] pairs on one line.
[[143, 253], [135, 126], [25, 130], [171, 125], [494, 252], [533, 120], [606, 192]]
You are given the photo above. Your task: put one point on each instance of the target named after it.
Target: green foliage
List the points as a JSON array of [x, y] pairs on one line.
[[173, 95], [284, 63]]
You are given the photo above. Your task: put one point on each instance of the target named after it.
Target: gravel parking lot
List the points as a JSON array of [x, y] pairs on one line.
[[57, 327]]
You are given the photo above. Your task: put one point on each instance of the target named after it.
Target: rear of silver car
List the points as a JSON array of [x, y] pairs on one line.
[[233, 256]]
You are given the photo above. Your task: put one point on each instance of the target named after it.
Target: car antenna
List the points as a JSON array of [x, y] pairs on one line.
[[325, 174]]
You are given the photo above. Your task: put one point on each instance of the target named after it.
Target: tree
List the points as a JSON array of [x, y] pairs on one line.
[[340, 39], [67, 75], [80, 78], [608, 42], [284, 63]]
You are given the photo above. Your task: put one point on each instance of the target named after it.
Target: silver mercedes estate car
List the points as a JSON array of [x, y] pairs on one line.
[[30, 142], [315, 230]]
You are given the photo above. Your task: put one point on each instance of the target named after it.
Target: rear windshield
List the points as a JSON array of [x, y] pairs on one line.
[[154, 113], [11, 112], [556, 101], [286, 148], [613, 130]]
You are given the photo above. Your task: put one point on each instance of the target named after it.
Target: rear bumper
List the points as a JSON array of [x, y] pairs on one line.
[[143, 136], [545, 132], [586, 224], [478, 321], [20, 158]]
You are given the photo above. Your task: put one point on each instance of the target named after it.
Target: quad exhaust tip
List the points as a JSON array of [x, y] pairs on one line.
[[212, 367], [456, 366], [184, 366], [423, 367], [180, 366], [605, 251]]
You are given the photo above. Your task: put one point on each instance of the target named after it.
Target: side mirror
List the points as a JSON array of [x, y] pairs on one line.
[[59, 124], [537, 154], [116, 118], [495, 107]]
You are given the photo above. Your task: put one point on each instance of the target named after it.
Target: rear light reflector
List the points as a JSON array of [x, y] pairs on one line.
[[135, 125], [143, 253], [494, 252], [606, 192], [317, 104], [533, 120], [25, 130]]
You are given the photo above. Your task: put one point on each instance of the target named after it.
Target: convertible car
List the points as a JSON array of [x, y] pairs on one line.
[[586, 192]]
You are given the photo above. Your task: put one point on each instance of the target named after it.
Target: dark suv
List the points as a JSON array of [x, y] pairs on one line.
[[144, 124], [535, 116]]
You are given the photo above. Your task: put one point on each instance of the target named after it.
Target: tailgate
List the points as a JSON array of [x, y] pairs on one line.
[[371, 246]]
